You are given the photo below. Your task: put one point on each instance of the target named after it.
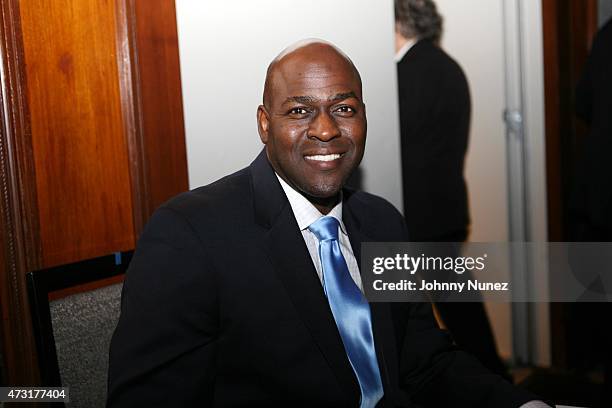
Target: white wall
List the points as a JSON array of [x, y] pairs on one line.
[[535, 138], [225, 48], [474, 36]]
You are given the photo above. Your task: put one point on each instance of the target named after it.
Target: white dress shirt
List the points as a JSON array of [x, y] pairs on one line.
[[305, 214], [405, 48]]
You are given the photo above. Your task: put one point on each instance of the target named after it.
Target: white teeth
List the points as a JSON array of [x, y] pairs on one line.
[[323, 157]]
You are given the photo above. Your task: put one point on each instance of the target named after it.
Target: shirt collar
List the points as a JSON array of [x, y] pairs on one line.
[[304, 211], [405, 48]]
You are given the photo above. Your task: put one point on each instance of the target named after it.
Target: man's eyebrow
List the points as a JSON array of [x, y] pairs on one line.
[[312, 99], [341, 96], [302, 99]]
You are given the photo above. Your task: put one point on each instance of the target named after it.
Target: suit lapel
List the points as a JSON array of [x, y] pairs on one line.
[[382, 324], [294, 268]]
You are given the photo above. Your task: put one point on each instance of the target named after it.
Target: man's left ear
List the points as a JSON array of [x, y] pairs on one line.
[[263, 123]]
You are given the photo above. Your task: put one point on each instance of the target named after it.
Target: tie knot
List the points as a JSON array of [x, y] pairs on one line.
[[325, 228]]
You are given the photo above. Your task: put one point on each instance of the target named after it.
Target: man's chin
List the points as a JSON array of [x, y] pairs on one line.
[[326, 196], [324, 191]]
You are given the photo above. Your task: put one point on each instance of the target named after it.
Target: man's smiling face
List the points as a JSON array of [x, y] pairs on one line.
[[313, 120]]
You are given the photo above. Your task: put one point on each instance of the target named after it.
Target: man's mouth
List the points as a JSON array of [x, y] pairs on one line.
[[324, 157]]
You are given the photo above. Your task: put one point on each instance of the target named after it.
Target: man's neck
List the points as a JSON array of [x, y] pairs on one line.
[[402, 46], [399, 41], [324, 205]]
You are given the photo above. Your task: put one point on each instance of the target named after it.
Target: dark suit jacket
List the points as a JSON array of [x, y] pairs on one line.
[[434, 103], [222, 306], [592, 194]]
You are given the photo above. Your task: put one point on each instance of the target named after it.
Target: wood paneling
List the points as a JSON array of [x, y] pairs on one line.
[[86, 287], [127, 62], [149, 74], [18, 204], [78, 140], [91, 142], [568, 29], [161, 100]]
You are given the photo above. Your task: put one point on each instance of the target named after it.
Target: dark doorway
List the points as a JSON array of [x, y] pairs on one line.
[[569, 29]]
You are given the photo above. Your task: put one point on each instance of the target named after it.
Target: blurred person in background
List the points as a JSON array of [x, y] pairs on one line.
[[435, 107], [591, 200]]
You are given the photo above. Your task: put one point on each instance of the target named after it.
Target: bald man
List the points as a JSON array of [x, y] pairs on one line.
[[247, 292]]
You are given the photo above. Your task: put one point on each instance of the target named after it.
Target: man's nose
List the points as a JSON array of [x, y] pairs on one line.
[[323, 127]]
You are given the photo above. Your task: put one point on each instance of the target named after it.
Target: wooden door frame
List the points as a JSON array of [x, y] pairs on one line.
[[18, 208], [568, 30], [151, 103]]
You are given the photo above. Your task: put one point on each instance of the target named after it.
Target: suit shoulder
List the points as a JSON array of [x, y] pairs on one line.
[[603, 41], [433, 61], [377, 216], [368, 199], [225, 195], [447, 65], [371, 204], [606, 30]]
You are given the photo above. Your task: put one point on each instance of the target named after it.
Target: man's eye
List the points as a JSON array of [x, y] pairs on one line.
[[298, 111], [345, 109]]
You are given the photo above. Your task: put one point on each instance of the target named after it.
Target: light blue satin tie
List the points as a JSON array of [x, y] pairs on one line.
[[350, 309]]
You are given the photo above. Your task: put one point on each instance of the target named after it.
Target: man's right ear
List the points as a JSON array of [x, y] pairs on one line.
[[263, 123]]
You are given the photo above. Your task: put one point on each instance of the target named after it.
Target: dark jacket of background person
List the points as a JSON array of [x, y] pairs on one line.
[[592, 197], [434, 103], [435, 107], [591, 203], [222, 306]]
